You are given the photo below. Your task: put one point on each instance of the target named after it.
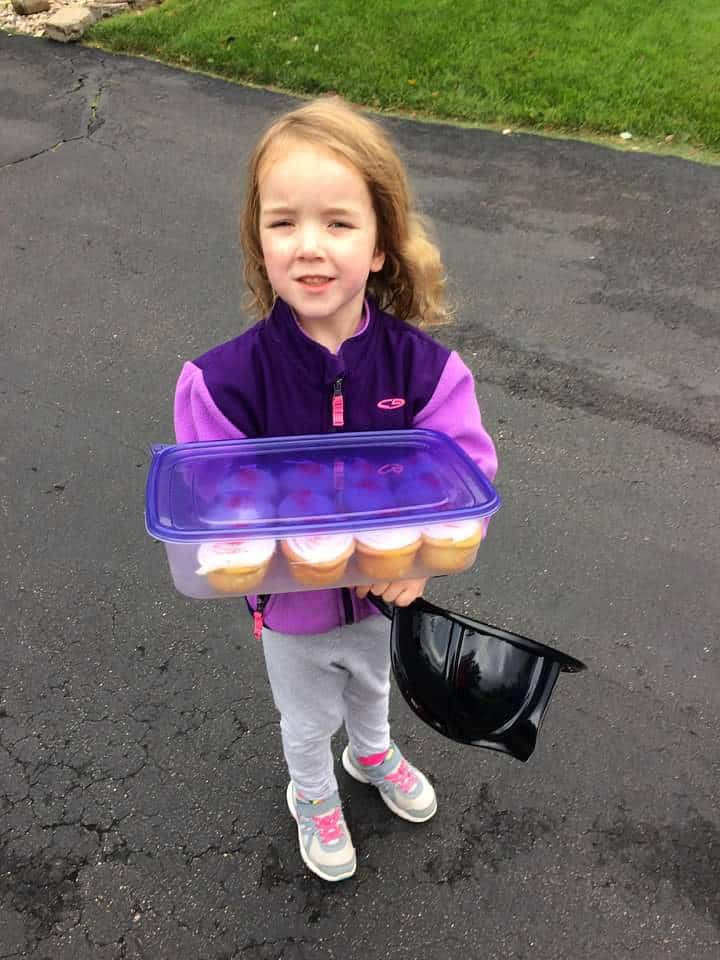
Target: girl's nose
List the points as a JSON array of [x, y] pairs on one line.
[[308, 242]]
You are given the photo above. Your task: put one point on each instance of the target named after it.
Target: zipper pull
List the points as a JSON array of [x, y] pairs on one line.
[[338, 404], [258, 620]]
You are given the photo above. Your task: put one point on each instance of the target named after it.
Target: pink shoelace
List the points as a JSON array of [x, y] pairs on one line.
[[329, 826], [403, 778]]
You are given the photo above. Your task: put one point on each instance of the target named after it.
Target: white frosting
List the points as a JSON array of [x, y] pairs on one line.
[[390, 538], [453, 530], [321, 547], [233, 553]]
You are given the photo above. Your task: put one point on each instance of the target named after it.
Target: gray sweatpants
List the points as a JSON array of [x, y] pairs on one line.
[[320, 680]]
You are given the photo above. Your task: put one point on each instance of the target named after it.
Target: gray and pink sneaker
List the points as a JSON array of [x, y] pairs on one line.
[[325, 844], [403, 788]]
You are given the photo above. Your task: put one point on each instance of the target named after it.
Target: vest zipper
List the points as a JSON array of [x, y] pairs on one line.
[[258, 620], [337, 411], [347, 605], [337, 405]]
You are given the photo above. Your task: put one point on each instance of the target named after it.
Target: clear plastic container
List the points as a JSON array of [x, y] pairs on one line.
[[280, 514]]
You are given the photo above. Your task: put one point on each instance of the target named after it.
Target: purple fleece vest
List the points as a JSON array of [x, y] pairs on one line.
[[273, 380]]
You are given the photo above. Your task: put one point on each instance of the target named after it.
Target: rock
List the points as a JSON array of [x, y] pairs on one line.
[[142, 4], [69, 23], [107, 8], [27, 8]]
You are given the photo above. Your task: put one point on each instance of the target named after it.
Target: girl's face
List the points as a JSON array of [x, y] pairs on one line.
[[318, 234]]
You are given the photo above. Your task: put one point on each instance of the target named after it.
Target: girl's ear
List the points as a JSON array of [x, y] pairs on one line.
[[377, 261]]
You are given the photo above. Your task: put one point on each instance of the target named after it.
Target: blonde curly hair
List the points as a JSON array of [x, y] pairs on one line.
[[411, 282]]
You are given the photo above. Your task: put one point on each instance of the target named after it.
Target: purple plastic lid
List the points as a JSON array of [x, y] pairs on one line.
[[292, 486]]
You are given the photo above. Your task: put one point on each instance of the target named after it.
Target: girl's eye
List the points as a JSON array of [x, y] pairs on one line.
[[279, 223], [341, 224]]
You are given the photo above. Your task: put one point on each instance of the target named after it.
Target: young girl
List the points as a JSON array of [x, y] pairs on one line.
[[342, 272]]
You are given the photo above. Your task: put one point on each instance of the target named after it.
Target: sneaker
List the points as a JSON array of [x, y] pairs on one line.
[[325, 843], [403, 787]]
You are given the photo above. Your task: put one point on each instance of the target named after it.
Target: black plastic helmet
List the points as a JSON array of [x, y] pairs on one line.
[[470, 681]]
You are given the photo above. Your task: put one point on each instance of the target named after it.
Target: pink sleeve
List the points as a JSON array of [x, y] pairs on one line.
[[196, 416], [453, 409]]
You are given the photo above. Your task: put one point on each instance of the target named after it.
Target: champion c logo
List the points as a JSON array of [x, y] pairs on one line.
[[392, 403]]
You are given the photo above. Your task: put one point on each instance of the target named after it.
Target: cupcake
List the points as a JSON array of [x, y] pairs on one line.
[[387, 554], [359, 468], [318, 560], [408, 465], [307, 475], [256, 482], [238, 508], [249, 481], [451, 545], [235, 566], [421, 489], [305, 503], [368, 495]]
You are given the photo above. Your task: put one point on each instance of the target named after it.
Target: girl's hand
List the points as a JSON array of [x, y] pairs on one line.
[[400, 592]]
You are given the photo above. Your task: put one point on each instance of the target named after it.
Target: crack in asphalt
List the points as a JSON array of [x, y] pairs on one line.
[[94, 123], [38, 153]]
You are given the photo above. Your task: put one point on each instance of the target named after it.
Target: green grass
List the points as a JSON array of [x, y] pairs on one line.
[[651, 67]]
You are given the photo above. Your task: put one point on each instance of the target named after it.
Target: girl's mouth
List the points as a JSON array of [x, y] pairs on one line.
[[313, 282]]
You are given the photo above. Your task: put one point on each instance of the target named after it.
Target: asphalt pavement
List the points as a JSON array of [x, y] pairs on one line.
[[142, 810]]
